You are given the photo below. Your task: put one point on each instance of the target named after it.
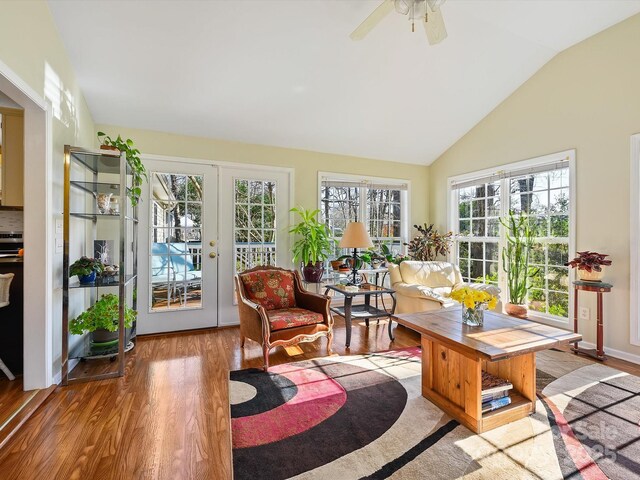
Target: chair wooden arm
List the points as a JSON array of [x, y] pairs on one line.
[[254, 323]]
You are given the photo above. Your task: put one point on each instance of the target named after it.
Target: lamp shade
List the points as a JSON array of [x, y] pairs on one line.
[[356, 236]]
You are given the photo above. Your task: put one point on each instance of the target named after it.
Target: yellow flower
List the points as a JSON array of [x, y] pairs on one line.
[[471, 298]]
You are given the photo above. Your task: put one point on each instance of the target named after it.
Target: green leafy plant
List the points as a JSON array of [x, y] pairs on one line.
[[429, 243], [85, 266], [104, 314], [315, 243], [138, 171], [390, 256], [515, 256], [371, 257]]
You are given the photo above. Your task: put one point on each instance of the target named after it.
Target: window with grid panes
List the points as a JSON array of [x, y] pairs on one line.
[[478, 229], [380, 207], [544, 196], [254, 223]]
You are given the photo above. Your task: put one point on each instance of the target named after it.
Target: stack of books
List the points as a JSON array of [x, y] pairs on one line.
[[495, 392]]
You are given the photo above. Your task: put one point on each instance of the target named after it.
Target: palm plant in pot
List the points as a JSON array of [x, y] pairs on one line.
[[589, 265], [101, 320], [314, 244], [515, 262]]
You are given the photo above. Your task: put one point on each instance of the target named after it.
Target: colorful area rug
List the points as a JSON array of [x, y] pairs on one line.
[[363, 417]]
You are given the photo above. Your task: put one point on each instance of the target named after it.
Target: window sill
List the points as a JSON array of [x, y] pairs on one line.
[[551, 320]]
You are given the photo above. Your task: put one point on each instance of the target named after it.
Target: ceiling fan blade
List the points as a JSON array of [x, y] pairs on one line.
[[434, 26], [384, 9]]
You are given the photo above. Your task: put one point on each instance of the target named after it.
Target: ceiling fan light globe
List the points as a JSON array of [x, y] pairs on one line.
[[434, 4], [403, 7]]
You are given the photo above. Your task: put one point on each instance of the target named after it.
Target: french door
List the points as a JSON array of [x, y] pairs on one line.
[[254, 228], [178, 265], [200, 224]]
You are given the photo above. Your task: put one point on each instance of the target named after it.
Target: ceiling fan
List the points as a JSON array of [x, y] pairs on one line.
[[425, 11]]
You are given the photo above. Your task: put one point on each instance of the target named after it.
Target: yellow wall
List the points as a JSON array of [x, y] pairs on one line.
[[587, 98], [31, 47], [306, 164]]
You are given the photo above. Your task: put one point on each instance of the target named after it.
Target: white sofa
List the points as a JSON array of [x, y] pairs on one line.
[[424, 286]]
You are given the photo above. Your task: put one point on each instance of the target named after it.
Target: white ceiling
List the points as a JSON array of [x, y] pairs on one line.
[[285, 73]]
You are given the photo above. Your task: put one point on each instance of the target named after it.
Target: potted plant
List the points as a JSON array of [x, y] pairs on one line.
[[429, 243], [335, 264], [589, 265], [314, 244], [373, 258], [390, 257], [138, 171], [515, 262], [101, 320], [86, 269]]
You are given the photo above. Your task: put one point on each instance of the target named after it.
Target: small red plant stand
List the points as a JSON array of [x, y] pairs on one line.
[[599, 288]]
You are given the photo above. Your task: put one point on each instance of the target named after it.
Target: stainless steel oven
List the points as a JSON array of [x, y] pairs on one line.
[[10, 243]]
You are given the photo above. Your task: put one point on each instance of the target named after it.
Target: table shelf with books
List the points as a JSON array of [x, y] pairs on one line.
[[454, 357]]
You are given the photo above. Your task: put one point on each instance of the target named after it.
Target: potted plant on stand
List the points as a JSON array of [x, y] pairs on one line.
[[101, 320], [138, 171], [86, 269], [313, 246], [589, 265], [515, 262]]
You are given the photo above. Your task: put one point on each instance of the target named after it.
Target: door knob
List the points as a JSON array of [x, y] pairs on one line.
[[212, 243], [212, 255]]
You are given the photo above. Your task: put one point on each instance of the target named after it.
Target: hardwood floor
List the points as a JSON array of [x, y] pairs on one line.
[[11, 397], [169, 417]]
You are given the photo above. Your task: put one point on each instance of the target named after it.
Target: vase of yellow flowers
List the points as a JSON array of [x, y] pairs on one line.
[[474, 303]]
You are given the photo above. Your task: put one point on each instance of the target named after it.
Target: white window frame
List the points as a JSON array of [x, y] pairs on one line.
[[405, 196], [634, 244], [568, 156]]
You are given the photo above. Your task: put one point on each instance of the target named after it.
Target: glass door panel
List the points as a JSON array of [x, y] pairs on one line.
[[179, 276], [254, 225]]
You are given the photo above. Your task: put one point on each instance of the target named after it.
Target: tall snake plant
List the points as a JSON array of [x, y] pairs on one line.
[[515, 256]]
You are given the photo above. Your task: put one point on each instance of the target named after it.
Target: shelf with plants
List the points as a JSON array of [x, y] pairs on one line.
[[98, 216], [99, 318], [105, 281]]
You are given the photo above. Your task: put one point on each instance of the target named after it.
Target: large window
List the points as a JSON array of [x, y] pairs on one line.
[[539, 189], [380, 205]]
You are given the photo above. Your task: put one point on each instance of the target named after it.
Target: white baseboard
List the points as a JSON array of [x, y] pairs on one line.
[[612, 352]]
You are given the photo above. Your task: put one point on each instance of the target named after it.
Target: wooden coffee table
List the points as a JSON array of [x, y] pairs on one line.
[[454, 356]]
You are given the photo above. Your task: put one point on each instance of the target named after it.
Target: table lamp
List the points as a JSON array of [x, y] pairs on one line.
[[355, 236]]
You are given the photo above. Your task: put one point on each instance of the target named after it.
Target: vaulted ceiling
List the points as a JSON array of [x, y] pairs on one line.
[[285, 73]]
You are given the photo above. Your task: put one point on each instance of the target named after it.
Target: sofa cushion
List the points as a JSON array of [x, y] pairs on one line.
[[273, 289], [430, 274], [293, 317]]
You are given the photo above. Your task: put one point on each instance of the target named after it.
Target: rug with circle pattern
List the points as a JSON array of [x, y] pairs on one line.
[[363, 417]]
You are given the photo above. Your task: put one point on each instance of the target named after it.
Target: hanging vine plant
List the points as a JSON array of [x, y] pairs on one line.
[[138, 171]]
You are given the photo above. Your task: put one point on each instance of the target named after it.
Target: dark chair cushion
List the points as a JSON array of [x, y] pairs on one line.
[[273, 289], [293, 317]]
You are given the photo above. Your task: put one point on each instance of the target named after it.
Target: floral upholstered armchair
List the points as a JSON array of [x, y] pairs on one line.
[[275, 310]]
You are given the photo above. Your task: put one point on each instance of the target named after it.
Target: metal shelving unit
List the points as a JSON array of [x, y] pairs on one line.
[[109, 173]]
